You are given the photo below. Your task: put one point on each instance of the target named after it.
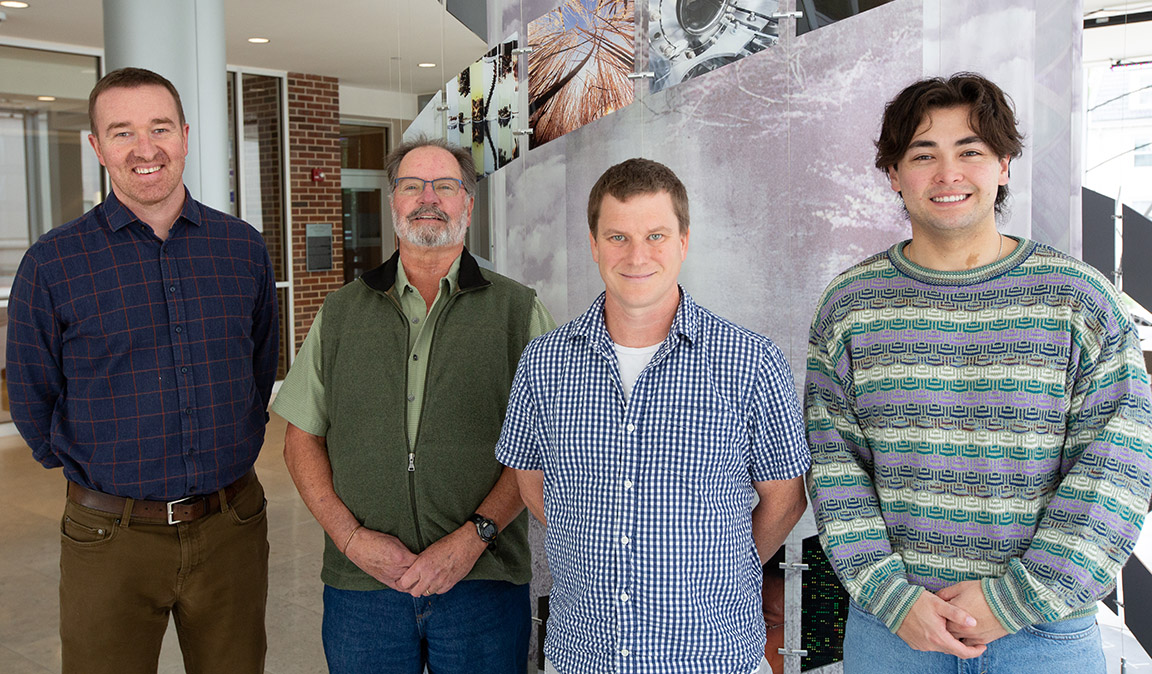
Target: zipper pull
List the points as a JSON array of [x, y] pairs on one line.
[[411, 462]]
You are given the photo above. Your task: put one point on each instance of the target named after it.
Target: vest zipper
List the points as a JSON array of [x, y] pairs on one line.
[[411, 449], [424, 399]]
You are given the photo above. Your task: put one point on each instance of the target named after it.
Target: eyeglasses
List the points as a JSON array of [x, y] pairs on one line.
[[443, 187]]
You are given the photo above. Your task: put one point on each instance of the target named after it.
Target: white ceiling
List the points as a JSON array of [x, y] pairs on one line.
[[367, 43]]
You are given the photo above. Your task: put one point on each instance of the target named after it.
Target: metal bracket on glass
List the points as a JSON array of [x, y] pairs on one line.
[[793, 651], [798, 566], [787, 15], [442, 108], [641, 75], [521, 132], [523, 50]]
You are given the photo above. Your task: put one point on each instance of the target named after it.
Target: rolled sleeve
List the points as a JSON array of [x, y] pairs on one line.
[[778, 447], [520, 446], [301, 397]]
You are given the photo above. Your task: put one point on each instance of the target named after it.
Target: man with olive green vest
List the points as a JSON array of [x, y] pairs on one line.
[[394, 405]]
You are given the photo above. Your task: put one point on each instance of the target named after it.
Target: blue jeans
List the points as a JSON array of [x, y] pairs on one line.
[[477, 627], [1064, 647]]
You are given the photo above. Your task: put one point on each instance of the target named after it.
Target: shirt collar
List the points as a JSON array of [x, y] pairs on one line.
[[466, 271], [120, 216], [452, 278], [685, 324]]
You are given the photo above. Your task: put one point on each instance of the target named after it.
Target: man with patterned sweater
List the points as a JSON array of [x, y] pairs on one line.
[[978, 414]]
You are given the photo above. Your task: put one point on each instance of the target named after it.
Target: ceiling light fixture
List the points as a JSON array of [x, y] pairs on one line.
[[14, 4], [259, 40], [425, 65], [46, 99]]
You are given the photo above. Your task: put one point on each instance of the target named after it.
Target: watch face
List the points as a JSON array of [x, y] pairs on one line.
[[485, 528]]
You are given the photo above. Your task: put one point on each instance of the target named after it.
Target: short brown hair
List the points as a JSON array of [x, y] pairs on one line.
[[463, 157], [638, 176], [990, 114], [130, 78]]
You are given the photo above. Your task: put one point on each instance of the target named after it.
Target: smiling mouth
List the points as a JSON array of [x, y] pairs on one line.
[[950, 199], [145, 171]]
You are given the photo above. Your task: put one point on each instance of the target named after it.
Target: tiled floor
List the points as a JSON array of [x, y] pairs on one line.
[[32, 500]]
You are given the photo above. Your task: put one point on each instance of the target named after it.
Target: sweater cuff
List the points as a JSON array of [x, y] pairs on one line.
[[892, 601], [1007, 597]]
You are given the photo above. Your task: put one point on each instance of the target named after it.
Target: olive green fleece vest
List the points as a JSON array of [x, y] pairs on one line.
[[475, 349]]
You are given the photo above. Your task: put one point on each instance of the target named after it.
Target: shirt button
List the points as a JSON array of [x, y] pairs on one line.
[[183, 370], [411, 399], [415, 320], [415, 357], [623, 596], [624, 540], [171, 289], [625, 652], [187, 410], [627, 484], [179, 329], [631, 427]]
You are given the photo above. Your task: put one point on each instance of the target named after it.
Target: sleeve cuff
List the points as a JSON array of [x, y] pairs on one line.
[[1006, 597], [892, 604]]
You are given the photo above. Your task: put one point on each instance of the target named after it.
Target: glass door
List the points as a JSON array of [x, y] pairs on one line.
[[367, 220]]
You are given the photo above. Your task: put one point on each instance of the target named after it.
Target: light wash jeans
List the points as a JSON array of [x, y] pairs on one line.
[[1064, 647]]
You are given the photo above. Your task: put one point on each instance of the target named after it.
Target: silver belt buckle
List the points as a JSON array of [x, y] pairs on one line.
[[177, 502]]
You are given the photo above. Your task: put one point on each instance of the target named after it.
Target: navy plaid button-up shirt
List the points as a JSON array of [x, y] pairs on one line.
[[649, 502], [142, 366]]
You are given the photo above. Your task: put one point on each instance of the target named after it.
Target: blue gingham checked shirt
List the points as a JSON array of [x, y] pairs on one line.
[[142, 366], [649, 503]]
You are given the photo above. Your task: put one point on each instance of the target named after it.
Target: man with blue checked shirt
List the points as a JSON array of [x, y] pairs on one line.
[[641, 434]]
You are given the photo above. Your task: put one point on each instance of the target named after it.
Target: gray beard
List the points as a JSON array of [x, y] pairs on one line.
[[437, 235]]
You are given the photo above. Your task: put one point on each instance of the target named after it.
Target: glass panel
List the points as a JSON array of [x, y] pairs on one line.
[[363, 221], [48, 173], [363, 147], [261, 157]]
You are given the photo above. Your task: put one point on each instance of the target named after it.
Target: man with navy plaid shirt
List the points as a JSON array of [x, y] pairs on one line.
[[641, 434], [142, 349]]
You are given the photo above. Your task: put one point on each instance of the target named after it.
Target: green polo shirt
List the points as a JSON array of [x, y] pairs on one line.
[[301, 396]]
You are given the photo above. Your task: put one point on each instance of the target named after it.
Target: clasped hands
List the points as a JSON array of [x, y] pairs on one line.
[[955, 620], [434, 571]]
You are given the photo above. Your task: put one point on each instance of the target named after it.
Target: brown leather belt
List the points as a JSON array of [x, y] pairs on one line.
[[172, 512]]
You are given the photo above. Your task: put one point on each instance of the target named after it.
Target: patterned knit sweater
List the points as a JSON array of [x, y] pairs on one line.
[[989, 424]]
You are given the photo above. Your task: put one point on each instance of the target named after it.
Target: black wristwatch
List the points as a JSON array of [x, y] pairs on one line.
[[485, 529]]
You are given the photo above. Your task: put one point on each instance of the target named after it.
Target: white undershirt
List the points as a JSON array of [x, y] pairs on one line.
[[632, 363]]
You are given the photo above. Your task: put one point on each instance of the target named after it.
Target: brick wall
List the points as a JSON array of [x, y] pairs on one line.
[[314, 142]]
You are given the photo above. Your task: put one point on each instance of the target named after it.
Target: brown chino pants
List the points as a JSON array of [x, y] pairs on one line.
[[121, 577]]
